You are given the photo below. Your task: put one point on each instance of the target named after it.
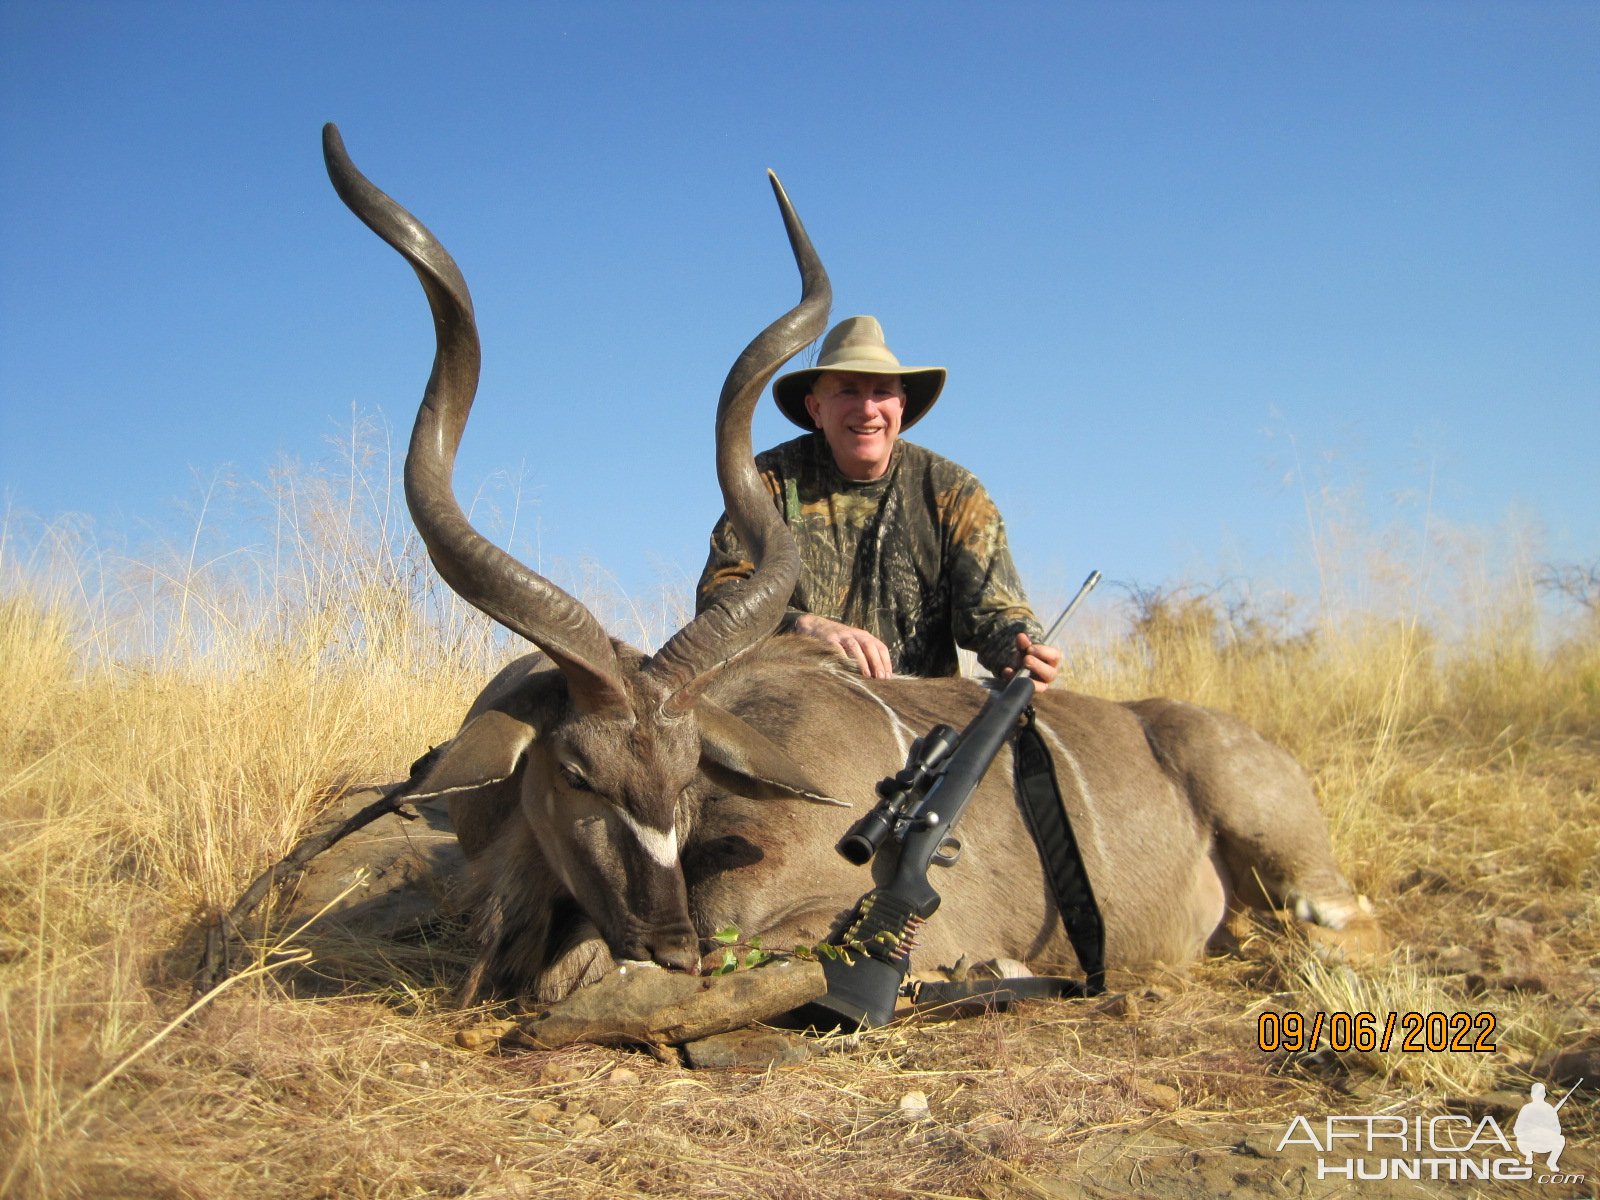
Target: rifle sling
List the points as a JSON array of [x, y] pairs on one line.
[[1039, 797], [970, 996]]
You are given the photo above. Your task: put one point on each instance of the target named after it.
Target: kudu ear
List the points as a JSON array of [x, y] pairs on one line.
[[474, 771], [760, 767]]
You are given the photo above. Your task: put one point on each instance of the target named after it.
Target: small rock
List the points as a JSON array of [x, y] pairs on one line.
[[914, 1106], [610, 1105], [562, 1071], [1360, 940], [623, 1076], [1455, 960], [755, 1049], [585, 1124], [485, 1036], [542, 1111], [1158, 1095]]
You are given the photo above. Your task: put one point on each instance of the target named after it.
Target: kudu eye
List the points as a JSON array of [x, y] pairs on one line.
[[575, 779]]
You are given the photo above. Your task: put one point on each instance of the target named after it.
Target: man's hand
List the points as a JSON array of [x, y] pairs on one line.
[[1044, 661], [866, 651]]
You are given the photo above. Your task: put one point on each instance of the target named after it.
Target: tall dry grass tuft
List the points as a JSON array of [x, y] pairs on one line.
[[171, 724], [173, 719], [1457, 755]]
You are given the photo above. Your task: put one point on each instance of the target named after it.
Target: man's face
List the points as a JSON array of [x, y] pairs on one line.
[[860, 415]]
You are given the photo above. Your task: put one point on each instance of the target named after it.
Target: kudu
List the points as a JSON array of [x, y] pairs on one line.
[[615, 805]]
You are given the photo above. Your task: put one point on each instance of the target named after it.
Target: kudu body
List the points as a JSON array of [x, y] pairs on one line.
[[614, 805]]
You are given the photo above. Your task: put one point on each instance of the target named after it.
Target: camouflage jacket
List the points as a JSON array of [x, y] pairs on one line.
[[918, 558]]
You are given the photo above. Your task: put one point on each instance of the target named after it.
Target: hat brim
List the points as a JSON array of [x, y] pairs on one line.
[[922, 384]]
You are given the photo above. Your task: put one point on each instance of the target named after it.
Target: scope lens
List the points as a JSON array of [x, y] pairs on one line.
[[864, 839], [856, 849]]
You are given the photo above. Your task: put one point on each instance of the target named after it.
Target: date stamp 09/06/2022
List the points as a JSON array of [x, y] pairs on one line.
[[1408, 1032]]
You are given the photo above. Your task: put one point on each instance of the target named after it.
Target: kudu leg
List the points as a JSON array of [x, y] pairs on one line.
[[1271, 843]]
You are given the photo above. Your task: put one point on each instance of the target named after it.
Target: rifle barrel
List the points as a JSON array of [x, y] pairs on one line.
[[1568, 1096], [1049, 638]]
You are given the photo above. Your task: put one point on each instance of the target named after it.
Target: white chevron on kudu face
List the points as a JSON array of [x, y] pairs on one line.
[[660, 844]]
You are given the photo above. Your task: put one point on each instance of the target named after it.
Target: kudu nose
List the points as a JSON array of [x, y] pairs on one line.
[[677, 953]]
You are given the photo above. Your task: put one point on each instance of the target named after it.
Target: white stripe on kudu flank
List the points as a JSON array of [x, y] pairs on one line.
[[903, 733], [660, 844]]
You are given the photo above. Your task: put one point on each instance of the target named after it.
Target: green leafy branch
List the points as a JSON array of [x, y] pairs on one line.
[[753, 953], [742, 955]]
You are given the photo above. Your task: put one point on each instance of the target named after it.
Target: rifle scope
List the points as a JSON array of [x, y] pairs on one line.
[[928, 754]]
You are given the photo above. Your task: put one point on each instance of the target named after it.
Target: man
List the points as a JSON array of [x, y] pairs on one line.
[[903, 554]]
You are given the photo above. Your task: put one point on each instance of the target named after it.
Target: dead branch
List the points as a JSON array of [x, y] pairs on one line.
[[645, 1005], [223, 928]]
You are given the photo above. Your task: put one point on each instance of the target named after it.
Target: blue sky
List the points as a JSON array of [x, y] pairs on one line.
[[1184, 262]]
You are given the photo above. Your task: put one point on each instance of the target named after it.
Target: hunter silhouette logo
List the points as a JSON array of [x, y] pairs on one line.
[[1538, 1128], [1447, 1146]]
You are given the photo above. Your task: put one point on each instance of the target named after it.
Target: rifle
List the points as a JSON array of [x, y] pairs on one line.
[[918, 807]]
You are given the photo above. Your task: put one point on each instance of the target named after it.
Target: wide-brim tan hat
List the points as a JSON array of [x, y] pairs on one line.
[[856, 344]]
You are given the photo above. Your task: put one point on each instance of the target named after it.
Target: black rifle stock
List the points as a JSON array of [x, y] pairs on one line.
[[924, 802]]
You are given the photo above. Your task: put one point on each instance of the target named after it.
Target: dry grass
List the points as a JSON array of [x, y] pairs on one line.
[[169, 726]]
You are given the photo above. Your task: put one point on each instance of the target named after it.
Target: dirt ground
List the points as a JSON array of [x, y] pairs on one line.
[[1160, 1090]]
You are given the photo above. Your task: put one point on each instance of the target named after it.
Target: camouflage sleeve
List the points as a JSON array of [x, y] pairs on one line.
[[987, 605], [726, 564]]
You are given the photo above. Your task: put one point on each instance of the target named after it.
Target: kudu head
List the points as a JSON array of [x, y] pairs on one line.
[[607, 767]]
